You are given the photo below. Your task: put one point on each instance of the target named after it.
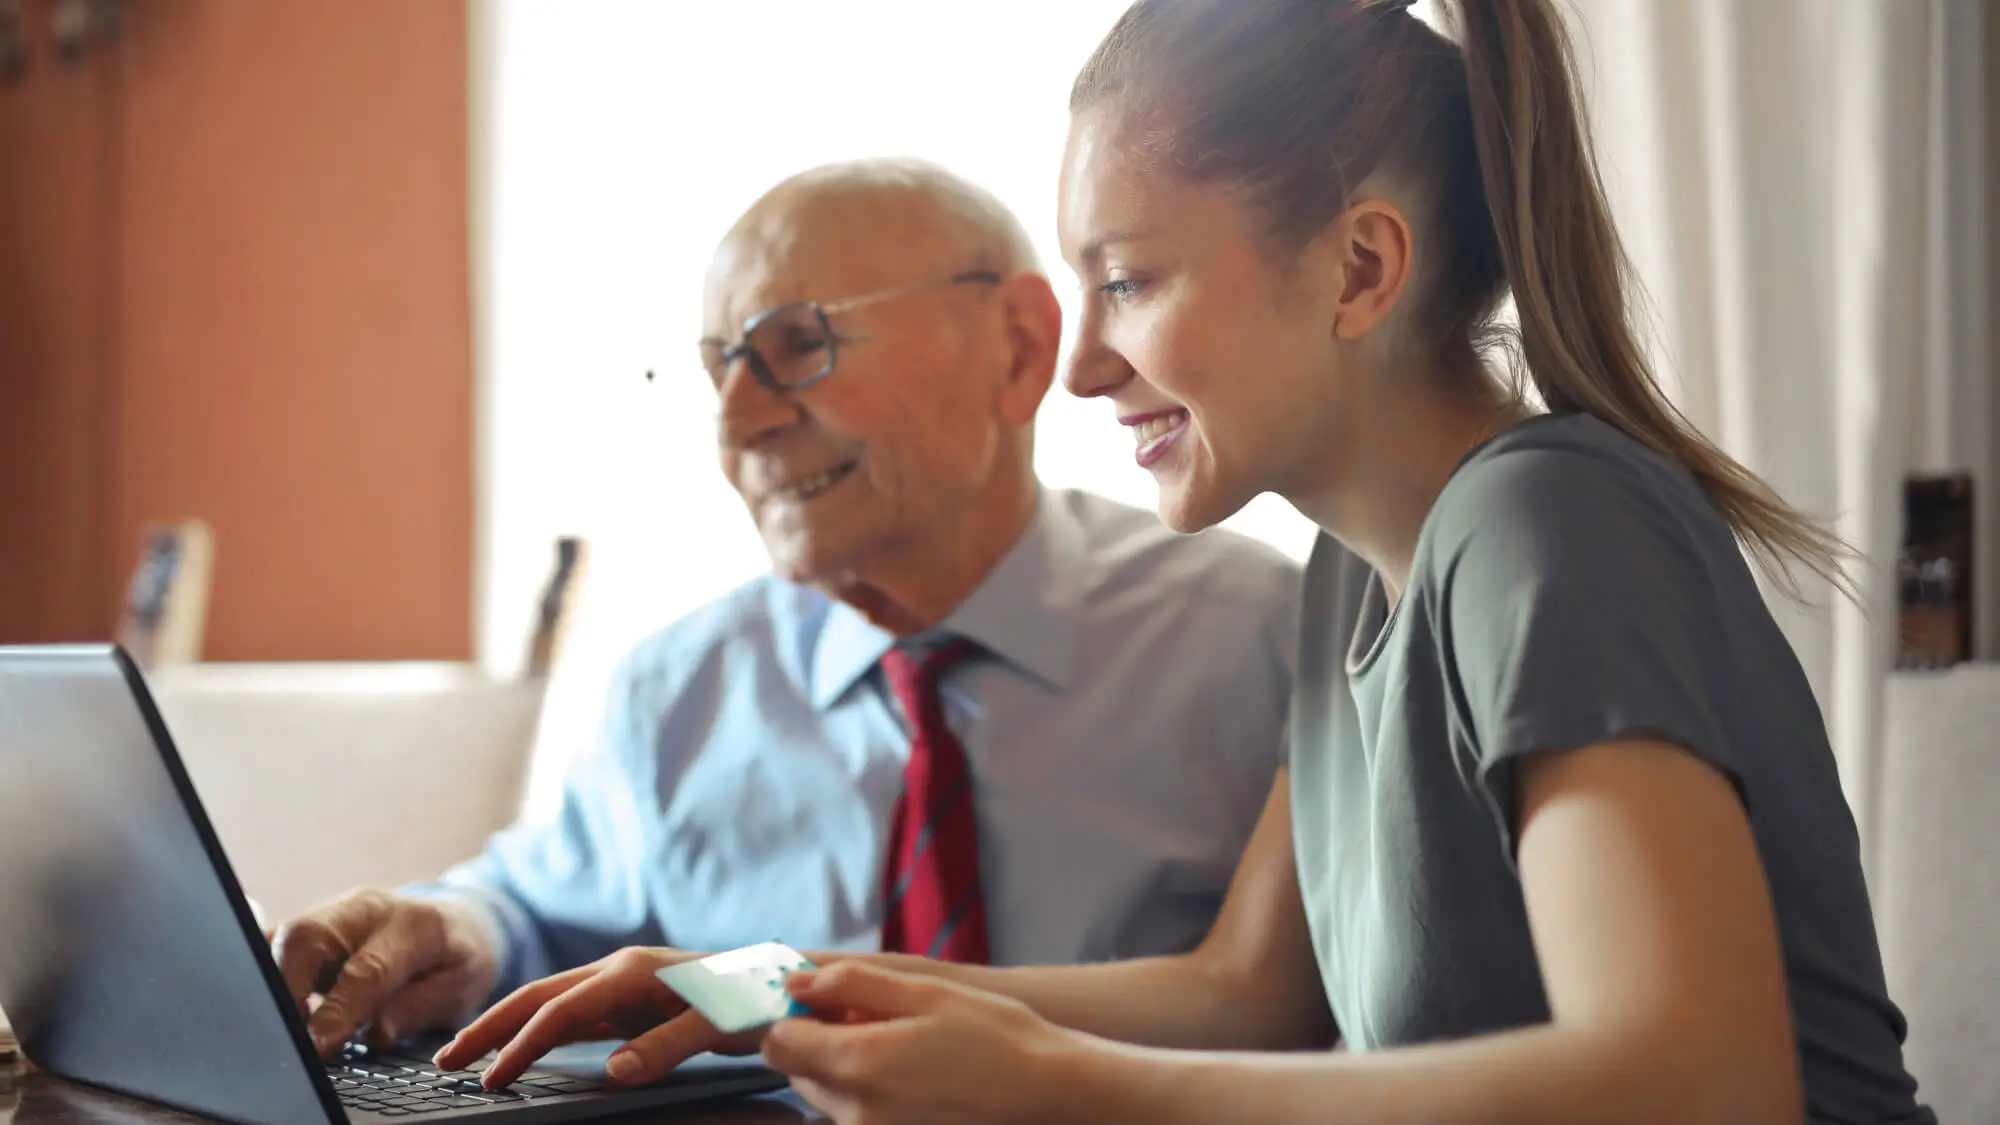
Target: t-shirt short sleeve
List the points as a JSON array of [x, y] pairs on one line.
[[1574, 602]]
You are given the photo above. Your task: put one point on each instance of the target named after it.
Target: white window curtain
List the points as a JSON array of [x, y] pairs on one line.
[[1803, 185]]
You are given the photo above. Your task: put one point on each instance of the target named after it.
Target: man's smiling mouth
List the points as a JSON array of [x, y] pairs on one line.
[[806, 488]]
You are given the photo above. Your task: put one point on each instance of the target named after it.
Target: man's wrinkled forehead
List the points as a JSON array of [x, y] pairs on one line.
[[824, 247]]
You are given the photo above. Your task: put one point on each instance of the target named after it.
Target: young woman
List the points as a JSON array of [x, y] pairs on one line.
[[1561, 838]]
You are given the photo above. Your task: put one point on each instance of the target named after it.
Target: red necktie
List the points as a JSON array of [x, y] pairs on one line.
[[932, 904]]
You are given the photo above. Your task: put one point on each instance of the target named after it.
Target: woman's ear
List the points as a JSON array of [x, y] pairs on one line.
[[1369, 250]]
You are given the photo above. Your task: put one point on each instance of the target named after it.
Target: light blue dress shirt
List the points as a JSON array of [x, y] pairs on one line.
[[1124, 724]]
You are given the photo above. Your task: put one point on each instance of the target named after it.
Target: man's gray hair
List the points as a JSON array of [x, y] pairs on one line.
[[990, 230]]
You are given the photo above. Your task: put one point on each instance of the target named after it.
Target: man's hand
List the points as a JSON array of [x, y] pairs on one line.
[[616, 998], [403, 965]]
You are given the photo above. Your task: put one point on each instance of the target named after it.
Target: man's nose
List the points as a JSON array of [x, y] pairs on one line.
[[749, 410]]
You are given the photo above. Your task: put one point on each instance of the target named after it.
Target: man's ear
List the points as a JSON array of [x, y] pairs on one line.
[[1369, 249], [1033, 326]]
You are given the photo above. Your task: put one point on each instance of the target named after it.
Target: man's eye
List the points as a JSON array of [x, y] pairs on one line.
[[714, 361], [802, 342]]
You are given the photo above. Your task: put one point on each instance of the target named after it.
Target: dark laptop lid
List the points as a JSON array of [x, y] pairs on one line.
[[128, 956]]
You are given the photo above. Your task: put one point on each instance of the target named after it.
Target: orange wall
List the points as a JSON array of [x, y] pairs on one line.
[[238, 290], [52, 364]]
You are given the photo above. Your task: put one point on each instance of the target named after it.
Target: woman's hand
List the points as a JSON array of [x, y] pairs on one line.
[[616, 998], [888, 1047]]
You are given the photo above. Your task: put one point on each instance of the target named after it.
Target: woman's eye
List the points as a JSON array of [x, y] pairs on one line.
[[1124, 288]]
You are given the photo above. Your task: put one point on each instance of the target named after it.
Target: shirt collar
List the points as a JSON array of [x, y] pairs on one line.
[[1025, 612]]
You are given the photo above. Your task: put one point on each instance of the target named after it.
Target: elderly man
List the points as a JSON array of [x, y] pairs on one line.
[[967, 716]]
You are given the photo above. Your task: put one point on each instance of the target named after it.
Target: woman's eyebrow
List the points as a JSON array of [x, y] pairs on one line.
[[1093, 251]]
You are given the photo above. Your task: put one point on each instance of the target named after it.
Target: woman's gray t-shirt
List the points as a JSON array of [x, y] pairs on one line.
[[1569, 586]]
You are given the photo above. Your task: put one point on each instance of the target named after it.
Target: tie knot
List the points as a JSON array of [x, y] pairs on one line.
[[916, 670]]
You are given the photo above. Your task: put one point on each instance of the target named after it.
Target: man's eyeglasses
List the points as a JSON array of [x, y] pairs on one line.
[[794, 345]]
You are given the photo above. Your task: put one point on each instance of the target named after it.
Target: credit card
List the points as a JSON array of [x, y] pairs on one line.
[[740, 989]]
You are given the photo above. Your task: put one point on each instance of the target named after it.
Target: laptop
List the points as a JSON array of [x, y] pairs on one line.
[[129, 958]]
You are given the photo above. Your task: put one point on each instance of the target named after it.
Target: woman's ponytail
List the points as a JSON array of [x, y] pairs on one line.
[[1569, 277]]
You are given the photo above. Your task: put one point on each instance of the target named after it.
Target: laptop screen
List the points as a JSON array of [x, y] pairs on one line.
[[128, 958]]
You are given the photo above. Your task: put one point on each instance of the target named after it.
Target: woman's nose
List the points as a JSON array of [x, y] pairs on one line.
[[1095, 370]]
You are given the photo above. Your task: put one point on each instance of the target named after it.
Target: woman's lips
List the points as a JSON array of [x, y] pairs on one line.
[[1157, 433]]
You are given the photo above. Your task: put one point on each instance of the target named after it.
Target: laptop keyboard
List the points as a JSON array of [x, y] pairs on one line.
[[400, 1085]]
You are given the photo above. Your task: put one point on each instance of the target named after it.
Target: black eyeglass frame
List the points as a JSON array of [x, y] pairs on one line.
[[821, 312]]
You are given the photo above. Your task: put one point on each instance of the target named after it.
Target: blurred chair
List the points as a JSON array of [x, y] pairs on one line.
[[1937, 882], [323, 777]]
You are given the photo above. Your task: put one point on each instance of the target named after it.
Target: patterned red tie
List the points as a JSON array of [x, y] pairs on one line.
[[932, 903]]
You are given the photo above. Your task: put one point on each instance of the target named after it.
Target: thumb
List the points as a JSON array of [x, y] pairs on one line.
[[434, 1000], [811, 1050], [863, 989]]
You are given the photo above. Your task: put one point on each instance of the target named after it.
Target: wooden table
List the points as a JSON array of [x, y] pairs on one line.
[[27, 1098]]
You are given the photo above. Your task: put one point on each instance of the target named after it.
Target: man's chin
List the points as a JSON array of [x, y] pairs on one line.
[[807, 563]]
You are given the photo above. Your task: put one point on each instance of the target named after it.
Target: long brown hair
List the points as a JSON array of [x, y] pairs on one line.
[[1296, 102]]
